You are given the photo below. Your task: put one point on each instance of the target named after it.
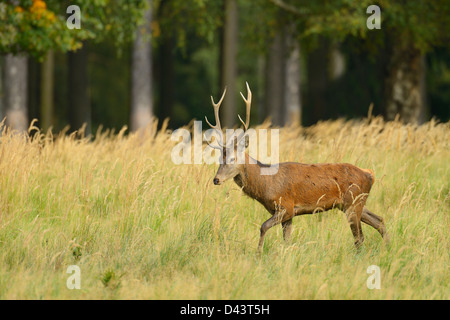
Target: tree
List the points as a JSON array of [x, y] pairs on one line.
[[275, 79], [181, 20], [117, 20], [268, 34], [282, 76], [19, 30], [318, 81], [79, 100], [15, 91], [1, 88], [166, 57], [409, 29], [35, 26], [228, 63], [47, 87], [292, 95], [141, 112]]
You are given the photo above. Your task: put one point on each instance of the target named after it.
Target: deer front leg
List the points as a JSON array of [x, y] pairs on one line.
[[274, 220]]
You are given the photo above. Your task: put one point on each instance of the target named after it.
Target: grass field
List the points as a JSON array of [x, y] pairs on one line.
[[140, 227]]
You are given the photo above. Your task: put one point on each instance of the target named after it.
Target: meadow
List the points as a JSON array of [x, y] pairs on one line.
[[140, 227]]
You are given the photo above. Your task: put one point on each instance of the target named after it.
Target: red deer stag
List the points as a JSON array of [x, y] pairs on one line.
[[297, 188]]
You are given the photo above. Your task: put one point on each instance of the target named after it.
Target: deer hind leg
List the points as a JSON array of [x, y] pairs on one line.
[[375, 222], [274, 220], [287, 229], [354, 218]]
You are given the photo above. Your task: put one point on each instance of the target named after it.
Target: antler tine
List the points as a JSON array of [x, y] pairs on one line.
[[213, 146], [217, 127], [216, 107], [248, 102]]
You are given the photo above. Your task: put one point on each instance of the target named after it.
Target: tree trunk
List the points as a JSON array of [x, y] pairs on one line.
[[275, 80], [404, 94], [34, 89], [260, 95], [425, 110], [166, 78], [292, 99], [79, 100], [15, 91], [1, 90], [141, 112], [317, 83], [228, 65], [47, 87], [336, 62]]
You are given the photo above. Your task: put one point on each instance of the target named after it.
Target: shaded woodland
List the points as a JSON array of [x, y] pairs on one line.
[[305, 61]]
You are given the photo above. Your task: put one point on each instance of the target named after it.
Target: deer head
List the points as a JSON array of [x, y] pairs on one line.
[[230, 167]]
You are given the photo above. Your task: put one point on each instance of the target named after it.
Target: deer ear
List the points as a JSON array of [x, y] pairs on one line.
[[246, 140], [235, 143], [242, 143]]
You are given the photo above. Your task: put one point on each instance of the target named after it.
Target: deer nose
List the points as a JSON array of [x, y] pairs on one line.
[[216, 181]]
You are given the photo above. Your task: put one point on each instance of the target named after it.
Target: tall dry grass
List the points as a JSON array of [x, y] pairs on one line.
[[140, 227]]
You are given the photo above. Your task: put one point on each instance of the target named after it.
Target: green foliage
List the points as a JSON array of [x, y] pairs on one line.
[[36, 26], [259, 21], [180, 18], [419, 22]]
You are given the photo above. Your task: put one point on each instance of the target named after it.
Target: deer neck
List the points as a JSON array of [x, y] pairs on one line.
[[250, 179]]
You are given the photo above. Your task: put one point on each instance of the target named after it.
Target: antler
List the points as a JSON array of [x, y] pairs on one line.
[[217, 127], [248, 103]]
